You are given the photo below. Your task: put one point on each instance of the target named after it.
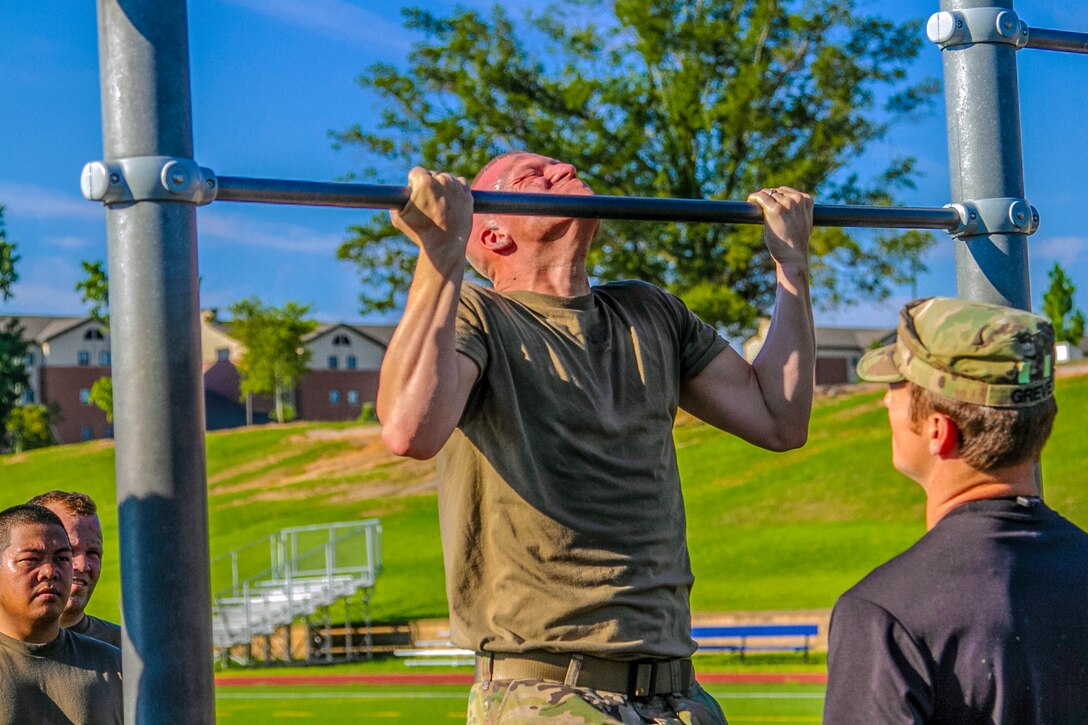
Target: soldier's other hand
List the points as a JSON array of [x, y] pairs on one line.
[[787, 215]]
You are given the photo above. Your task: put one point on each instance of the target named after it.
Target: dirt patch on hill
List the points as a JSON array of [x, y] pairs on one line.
[[362, 470]]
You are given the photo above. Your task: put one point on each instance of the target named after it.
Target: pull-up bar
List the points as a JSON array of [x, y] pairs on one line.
[[164, 178], [368, 196], [1066, 41]]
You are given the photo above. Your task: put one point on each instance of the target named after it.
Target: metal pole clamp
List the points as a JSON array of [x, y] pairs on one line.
[[995, 216], [950, 28], [148, 178]]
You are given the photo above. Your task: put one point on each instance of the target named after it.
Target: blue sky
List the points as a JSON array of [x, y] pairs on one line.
[[272, 77]]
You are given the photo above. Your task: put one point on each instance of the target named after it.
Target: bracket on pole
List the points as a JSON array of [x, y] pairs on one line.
[[1007, 215], [148, 178], [950, 28]]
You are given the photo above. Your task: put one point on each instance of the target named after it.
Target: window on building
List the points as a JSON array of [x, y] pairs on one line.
[[104, 357], [27, 396], [83, 357], [85, 396], [334, 362], [353, 397], [341, 341], [107, 431], [334, 397], [93, 334], [351, 363], [85, 433], [222, 354], [28, 360]]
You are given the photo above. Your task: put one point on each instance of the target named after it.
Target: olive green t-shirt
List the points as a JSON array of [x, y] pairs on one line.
[[100, 629], [562, 519], [73, 679]]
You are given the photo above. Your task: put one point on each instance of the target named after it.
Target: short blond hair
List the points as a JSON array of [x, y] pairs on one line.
[[79, 504]]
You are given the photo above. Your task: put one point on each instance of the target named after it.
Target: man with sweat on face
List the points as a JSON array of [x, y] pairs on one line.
[[985, 618], [47, 674], [550, 402], [78, 513]]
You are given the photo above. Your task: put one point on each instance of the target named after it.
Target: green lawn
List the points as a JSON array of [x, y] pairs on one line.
[[766, 531]]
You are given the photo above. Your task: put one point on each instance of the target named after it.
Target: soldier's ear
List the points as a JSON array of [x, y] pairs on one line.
[[943, 435], [494, 238]]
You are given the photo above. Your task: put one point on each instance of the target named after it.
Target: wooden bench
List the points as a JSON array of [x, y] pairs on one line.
[[435, 652], [735, 638], [444, 656], [728, 638]]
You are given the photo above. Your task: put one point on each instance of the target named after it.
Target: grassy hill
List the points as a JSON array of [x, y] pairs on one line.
[[767, 531]]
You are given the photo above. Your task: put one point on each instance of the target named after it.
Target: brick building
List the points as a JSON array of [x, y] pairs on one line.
[[68, 354]]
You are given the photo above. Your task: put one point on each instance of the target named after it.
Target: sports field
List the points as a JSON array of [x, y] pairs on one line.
[[790, 702]]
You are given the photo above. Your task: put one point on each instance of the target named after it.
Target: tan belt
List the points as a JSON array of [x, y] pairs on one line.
[[640, 678]]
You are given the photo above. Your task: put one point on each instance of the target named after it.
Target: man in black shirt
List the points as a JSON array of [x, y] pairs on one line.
[[985, 618]]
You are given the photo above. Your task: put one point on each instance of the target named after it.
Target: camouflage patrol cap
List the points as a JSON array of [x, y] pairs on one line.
[[968, 351]]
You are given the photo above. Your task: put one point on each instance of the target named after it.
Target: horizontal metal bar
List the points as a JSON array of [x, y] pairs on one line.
[[1065, 41], [370, 196]]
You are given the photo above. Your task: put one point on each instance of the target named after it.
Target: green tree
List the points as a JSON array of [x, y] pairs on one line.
[[28, 427], [102, 396], [94, 289], [8, 258], [1058, 304], [274, 358], [706, 100], [13, 348]]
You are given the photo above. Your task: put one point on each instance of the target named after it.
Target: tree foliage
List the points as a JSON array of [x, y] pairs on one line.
[[94, 289], [1058, 304], [13, 348], [8, 275], [274, 357], [709, 100], [28, 427], [102, 396]]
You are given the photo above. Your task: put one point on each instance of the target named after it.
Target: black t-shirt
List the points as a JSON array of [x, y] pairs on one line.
[[983, 620]]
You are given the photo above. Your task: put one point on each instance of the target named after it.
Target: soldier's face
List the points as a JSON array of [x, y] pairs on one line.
[[909, 449], [85, 536], [35, 574]]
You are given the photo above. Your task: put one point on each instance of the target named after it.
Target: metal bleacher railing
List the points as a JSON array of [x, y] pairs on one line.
[[294, 573]]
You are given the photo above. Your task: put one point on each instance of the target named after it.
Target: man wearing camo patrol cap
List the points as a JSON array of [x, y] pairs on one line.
[[983, 619]]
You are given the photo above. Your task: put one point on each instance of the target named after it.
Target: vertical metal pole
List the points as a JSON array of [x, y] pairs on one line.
[[161, 487], [984, 155]]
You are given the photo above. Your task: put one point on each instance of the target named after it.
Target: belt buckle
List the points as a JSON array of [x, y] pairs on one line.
[[641, 678]]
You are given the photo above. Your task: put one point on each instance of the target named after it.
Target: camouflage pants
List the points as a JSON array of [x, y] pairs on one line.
[[513, 702]]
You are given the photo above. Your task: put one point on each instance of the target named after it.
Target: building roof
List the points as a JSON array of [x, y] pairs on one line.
[[40, 328], [851, 338], [374, 333]]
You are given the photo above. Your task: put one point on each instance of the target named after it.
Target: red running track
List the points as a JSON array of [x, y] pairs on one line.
[[439, 678]]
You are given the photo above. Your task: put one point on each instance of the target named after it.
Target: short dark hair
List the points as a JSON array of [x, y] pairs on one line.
[[76, 503], [990, 438], [27, 513]]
